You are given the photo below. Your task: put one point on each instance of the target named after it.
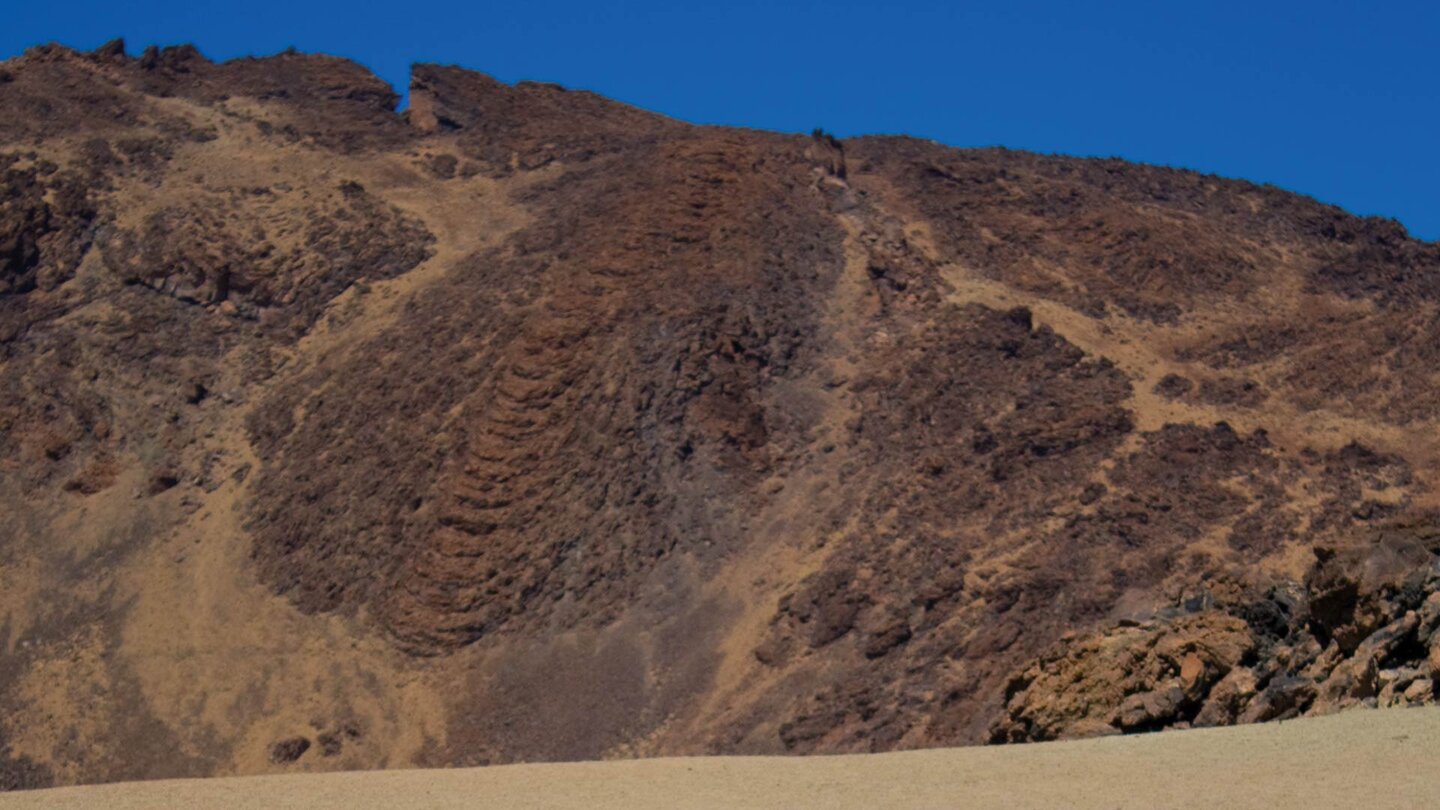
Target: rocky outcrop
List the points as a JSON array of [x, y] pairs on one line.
[[1362, 629], [216, 250], [45, 219]]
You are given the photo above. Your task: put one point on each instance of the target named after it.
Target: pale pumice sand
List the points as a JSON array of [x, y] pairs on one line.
[[1364, 758]]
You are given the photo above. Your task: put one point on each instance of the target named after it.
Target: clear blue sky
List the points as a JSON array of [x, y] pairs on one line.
[[1337, 100]]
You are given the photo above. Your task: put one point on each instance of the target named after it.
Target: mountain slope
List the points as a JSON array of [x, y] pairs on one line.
[[526, 425]]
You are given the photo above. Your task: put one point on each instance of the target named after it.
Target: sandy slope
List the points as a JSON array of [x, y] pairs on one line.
[[1357, 759]]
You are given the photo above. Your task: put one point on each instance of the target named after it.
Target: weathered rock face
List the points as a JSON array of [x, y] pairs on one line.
[[1137, 677], [44, 221], [526, 425], [215, 250], [1363, 629]]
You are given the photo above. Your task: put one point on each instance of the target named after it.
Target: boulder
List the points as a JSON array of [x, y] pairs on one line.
[[1154, 709], [1421, 691], [1284, 698], [1227, 698]]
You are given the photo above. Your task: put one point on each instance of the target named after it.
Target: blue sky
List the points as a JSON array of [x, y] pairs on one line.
[[1337, 100]]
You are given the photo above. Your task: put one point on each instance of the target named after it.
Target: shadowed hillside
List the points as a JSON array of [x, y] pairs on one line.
[[526, 425]]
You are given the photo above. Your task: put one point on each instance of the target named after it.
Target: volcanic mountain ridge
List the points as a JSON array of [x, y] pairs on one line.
[[527, 425]]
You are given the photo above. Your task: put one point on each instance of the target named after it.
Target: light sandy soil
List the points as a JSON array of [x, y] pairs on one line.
[[1366, 758]]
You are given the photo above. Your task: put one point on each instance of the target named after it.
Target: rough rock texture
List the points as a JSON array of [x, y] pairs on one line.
[[527, 425], [1363, 629]]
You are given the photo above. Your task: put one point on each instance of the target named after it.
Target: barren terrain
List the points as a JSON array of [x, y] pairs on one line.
[[1361, 758], [524, 425]]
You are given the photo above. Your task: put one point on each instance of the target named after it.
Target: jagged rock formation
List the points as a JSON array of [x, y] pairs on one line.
[[1363, 628], [524, 424]]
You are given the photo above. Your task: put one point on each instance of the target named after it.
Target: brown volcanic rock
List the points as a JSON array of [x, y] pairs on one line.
[[1130, 678], [525, 424], [199, 251], [1360, 631]]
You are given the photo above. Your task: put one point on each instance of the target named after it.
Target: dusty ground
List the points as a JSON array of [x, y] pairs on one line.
[[1377, 759]]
